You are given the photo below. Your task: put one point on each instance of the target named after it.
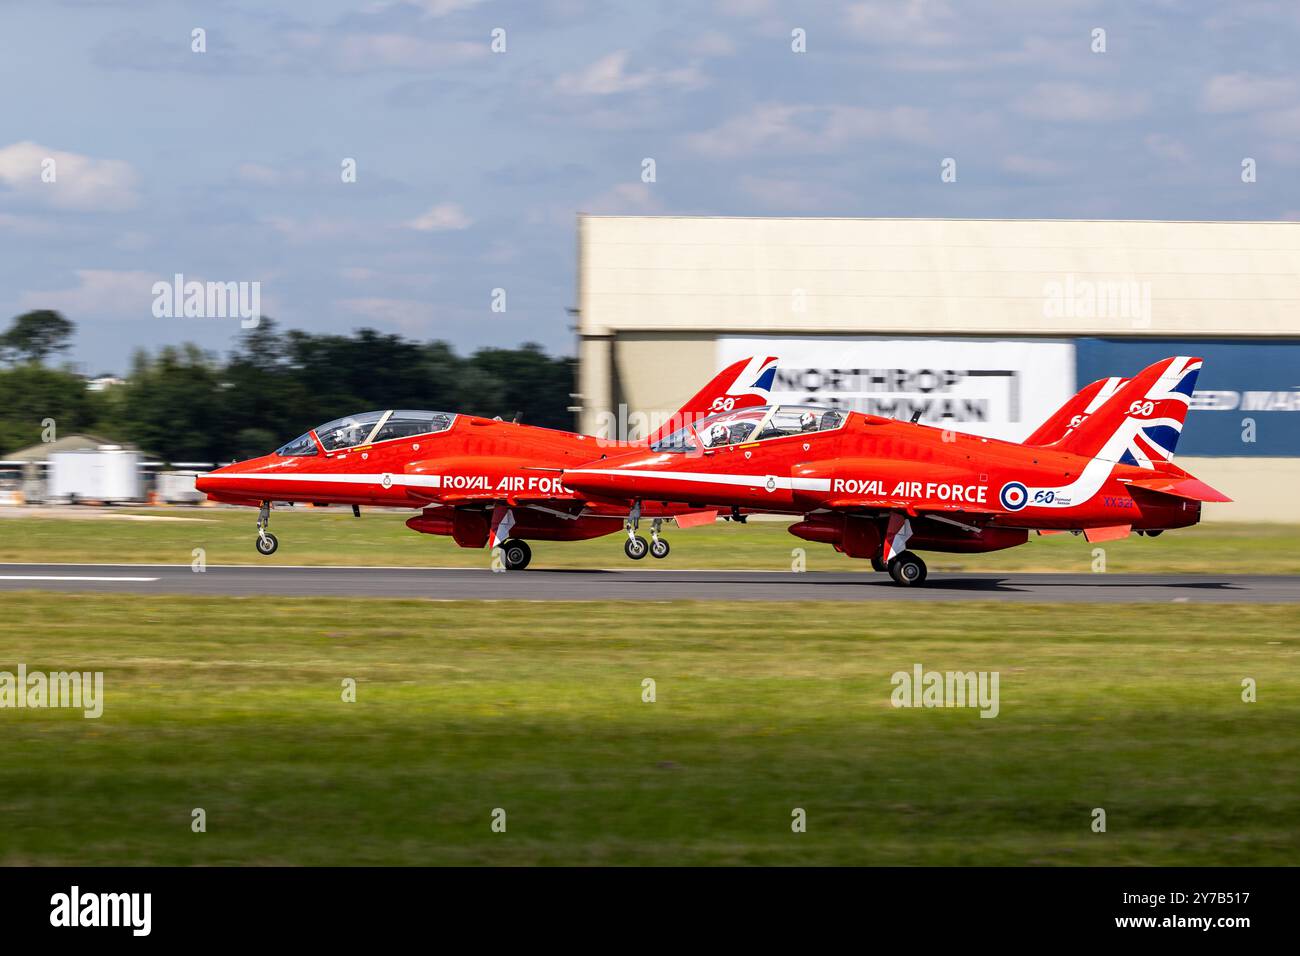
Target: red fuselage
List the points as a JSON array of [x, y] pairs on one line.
[[877, 465], [455, 475]]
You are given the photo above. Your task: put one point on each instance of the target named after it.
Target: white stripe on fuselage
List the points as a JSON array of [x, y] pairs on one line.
[[743, 481], [412, 481]]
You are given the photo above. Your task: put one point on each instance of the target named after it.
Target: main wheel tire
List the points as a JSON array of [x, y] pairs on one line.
[[659, 548], [516, 554], [907, 570], [878, 565], [636, 547], [267, 543]]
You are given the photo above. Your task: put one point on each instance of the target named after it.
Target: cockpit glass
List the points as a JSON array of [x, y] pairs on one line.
[[751, 424], [303, 446], [370, 427], [349, 431], [407, 423], [682, 440], [731, 428]]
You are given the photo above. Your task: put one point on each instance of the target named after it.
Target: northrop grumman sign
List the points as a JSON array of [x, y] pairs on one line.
[[1001, 388]]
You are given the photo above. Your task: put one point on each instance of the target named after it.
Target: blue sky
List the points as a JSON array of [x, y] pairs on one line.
[[472, 165]]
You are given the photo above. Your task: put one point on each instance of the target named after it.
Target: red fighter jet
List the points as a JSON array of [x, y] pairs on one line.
[[882, 489], [478, 480]]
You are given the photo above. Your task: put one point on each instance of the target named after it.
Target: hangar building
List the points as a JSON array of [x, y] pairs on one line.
[[987, 325]]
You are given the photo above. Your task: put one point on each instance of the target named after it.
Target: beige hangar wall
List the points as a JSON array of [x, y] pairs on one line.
[[656, 293]]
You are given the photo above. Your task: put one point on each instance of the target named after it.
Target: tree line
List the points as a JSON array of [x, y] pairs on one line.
[[187, 404]]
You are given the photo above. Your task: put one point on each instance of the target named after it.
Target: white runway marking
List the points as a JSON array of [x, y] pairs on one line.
[[56, 577]]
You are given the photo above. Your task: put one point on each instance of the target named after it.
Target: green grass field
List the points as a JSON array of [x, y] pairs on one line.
[[234, 705], [333, 536]]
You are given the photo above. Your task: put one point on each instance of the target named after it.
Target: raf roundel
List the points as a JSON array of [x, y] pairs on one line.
[[1013, 496]]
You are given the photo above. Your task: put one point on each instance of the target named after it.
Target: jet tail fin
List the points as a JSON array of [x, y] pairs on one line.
[[1090, 398], [742, 384], [1140, 424]]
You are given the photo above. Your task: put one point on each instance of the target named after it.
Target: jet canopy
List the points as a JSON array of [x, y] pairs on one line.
[[367, 428], [751, 424]]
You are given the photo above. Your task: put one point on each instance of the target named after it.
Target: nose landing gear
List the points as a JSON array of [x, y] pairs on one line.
[[266, 542], [658, 546]]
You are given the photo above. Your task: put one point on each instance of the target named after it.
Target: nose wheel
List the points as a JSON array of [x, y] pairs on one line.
[[267, 543], [635, 547], [658, 546]]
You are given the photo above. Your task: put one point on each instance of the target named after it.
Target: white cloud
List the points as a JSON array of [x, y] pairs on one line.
[[368, 51], [443, 8], [1246, 92], [33, 226], [261, 174], [411, 316], [1074, 102], [709, 43], [100, 293], [81, 183], [788, 128], [609, 75], [624, 199], [910, 23], [444, 217], [1167, 148], [798, 195], [313, 229], [1033, 166]]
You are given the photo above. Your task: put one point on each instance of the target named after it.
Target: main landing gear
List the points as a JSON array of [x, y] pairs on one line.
[[636, 547], [515, 554], [266, 542], [907, 569]]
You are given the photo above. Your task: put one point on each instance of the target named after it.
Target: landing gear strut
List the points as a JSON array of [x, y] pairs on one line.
[[907, 570], [635, 547], [515, 554], [266, 542], [658, 546]]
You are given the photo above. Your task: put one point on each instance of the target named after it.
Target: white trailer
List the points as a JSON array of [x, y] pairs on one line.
[[102, 474], [177, 487]]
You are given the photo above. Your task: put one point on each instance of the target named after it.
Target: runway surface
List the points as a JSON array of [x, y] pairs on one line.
[[643, 585]]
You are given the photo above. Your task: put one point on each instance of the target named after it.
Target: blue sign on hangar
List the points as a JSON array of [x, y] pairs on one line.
[[1257, 379]]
